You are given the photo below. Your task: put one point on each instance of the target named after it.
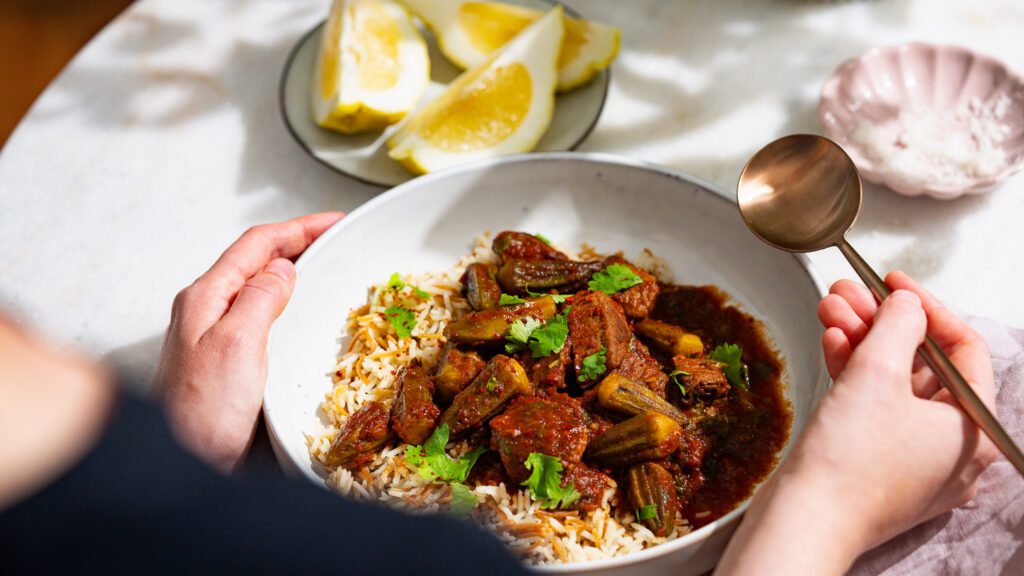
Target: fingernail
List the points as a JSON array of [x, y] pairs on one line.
[[282, 268]]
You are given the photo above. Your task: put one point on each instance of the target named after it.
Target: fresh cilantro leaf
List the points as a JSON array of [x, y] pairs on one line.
[[435, 464], [731, 358], [463, 500], [558, 298], [545, 481], [542, 238], [519, 333], [508, 299], [674, 377], [593, 365], [396, 284], [549, 338], [401, 319], [492, 383], [646, 513], [614, 278]]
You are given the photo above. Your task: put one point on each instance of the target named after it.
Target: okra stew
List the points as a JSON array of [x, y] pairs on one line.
[[572, 376]]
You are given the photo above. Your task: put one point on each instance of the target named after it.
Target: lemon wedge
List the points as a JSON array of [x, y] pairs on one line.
[[502, 106], [468, 32], [372, 67]]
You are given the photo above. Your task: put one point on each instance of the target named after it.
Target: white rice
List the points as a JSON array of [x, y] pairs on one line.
[[365, 371]]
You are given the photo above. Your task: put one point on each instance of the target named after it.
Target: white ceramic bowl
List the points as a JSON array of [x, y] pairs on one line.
[[610, 202]]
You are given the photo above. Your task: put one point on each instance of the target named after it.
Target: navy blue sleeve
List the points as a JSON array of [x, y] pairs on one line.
[[138, 502]]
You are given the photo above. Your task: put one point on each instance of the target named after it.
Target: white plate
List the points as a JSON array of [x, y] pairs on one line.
[[365, 156], [610, 202]]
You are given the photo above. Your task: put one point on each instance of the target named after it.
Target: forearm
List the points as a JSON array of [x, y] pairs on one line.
[[794, 527]]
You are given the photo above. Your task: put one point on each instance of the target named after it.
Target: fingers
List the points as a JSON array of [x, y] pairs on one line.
[[208, 299], [858, 297], [835, 312], [887, 352], [260, 301], [261, 244], [943, 326], [964, 346], [837, 350]]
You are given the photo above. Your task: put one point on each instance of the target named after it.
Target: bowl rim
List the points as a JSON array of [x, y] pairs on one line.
[[604, 76], [697, 536], [829, 99]]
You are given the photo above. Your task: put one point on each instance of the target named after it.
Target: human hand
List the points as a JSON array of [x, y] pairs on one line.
[[213, 364], [887, 448]]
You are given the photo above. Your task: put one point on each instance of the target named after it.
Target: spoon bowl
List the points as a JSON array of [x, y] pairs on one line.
[[820, 199]]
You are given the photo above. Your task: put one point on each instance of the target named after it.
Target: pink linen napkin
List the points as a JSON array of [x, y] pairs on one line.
[[986, 536]]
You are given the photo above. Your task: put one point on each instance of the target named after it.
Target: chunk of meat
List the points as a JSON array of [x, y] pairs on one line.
[[501, 380], [555, 425], [523, 246], [702, 378], [601, 420], [481, 289], [640, 366], [597, 322], [693, 446], [488, 471], [455, 370], [363, 434], [414, 414], [637, 301], [549, 372], [492, 325], [589, 482]]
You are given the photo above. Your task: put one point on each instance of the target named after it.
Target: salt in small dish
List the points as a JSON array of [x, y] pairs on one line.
[[925, 119]]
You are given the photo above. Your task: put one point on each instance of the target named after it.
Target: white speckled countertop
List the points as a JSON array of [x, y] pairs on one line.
[[162, 141]]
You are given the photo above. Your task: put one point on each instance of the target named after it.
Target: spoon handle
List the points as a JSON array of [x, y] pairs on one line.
[[940, 364]]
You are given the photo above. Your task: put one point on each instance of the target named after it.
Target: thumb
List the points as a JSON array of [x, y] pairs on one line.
[[261, 300], [887, 352]]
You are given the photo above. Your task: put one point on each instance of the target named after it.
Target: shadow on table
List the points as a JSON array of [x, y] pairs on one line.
[[143, 85], [135, 363], [722, 67]]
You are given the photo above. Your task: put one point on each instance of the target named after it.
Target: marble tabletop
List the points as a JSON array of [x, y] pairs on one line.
[[161, 142]]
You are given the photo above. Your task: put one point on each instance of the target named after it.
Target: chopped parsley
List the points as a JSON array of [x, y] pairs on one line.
[[593, 365], [549, 338], [558, 298], [435, 464], [401, 319], [463, 500], [542, 238], [646, 513], [731, 358], [519, 333], [492, 384], [674, 377], [614, 278], [508, 300], [395, 283], [545, 481]]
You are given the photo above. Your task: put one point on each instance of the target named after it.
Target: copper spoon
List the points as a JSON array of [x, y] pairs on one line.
[[802, 193]]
